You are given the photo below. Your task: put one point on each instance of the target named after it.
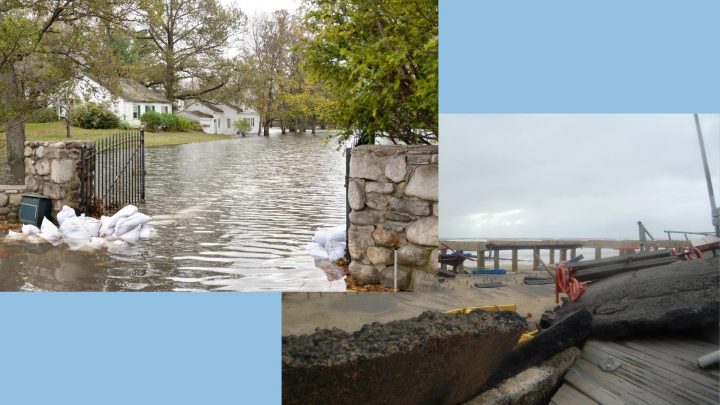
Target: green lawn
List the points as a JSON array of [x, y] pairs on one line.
[[55, 131]]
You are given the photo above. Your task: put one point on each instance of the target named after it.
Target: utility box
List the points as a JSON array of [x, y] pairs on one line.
[[33, 208]]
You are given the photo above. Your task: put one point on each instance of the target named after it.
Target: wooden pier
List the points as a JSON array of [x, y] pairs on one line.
[[563, 247], [657, 370]]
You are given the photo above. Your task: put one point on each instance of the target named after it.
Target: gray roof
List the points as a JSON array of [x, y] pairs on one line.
[[134, 91], [196, 113], [211, 106]]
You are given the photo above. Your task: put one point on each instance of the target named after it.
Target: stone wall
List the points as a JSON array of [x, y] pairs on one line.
[[10, 197], [393, 198], [53, 170]]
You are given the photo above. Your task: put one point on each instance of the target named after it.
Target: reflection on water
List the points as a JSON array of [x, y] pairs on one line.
[[227, 215]]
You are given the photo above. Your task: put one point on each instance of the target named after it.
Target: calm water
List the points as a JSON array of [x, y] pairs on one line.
[[227, 215]]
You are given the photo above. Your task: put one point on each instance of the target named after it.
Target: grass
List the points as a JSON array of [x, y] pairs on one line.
[[55, 131]]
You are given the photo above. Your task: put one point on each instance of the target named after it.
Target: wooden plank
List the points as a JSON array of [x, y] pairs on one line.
[[668, 361], [607, 388], [567, 395], [663, 383]]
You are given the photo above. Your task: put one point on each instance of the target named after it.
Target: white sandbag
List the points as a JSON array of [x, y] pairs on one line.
[[64, 214], [145, 231], [321, 237], [338, 234], [335, 250], [316, 251], [14, 235], [91, 245], [127, 224], [91, 225], [28, 229], [50, 232], [108, 227], [73, 228], [132, 235]]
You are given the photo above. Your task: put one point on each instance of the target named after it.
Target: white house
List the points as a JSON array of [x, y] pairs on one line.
[[133, 100], [218, 118]]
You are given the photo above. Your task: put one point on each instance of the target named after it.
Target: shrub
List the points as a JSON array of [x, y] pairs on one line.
[[170, 122], [94, 116], [47, 114], [196, 126], [124, 125], [243, 126], [153, 121], [184, 124]]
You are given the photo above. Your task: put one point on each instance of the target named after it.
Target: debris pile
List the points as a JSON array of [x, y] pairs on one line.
[[678, 296], [433, 358], [127, 225]]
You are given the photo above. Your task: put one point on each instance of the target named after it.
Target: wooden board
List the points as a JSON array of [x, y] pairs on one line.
[[653, 371], [568, 395]]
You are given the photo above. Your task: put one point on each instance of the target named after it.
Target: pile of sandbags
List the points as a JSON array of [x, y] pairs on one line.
[[127, 225], [328, 244]]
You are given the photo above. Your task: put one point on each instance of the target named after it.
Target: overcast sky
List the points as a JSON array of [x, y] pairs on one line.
[[574, 176], [251, 7]]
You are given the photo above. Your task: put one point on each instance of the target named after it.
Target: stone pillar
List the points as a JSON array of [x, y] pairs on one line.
[[10, 197], [393, 199], [53, 170]]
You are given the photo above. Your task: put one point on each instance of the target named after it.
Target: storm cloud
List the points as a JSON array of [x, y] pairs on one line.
[[574, 176]]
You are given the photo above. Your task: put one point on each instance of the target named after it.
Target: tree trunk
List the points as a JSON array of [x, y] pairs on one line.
[[260, 125], [266, 130], [282, 127], [68, 120], [15, 125], [312, 126]]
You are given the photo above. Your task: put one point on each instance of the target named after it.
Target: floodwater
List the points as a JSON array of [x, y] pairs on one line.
[[227, 215]]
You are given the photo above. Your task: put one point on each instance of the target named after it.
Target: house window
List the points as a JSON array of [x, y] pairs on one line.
[[228, 122], [152, 107], [164, 109], [136, 111], [147, 108]]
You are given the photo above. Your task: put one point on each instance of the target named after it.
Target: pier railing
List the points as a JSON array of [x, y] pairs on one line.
[[563, 247]]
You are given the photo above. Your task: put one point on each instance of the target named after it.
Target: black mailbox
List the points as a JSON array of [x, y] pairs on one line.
[[33, 207]]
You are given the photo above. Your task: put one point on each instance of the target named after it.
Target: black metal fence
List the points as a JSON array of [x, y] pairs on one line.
[[112, 174]]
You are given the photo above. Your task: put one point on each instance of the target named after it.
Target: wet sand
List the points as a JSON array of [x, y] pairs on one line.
[[304, 312]]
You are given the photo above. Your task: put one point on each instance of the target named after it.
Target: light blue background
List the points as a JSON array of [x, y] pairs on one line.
[[579, 56], [500, 56], [140, 348]]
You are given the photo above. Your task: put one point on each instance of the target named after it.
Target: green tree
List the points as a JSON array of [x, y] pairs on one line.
[[41, 44], [379, 60], [189, 38], [263, 67], [242, 125]]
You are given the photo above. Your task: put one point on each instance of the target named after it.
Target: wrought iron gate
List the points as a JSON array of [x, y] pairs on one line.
[[112, 174]]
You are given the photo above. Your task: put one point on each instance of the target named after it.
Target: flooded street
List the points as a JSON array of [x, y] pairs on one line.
[[227, 215]]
